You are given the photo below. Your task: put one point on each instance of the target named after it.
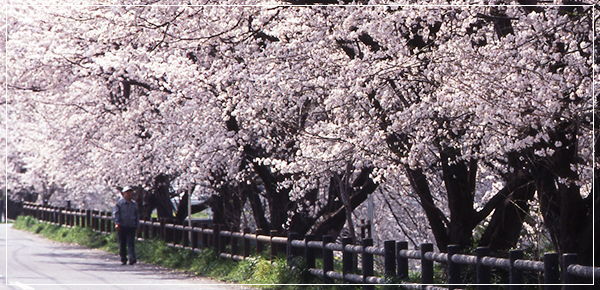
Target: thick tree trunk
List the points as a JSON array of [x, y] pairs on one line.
[[159, 198], [277, 197], [436, 218], [567, 214], [334, 222], [503, 231], [258, 212], [459, 180]]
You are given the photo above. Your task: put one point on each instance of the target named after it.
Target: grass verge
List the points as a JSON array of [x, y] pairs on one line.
[[259, 272]]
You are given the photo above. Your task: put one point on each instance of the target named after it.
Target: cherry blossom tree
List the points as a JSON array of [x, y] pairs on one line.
[[300, 112]]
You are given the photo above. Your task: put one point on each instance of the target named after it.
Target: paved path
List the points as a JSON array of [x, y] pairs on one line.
[[29, 262]]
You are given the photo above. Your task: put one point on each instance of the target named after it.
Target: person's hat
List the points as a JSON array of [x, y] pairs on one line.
[[127, 188]]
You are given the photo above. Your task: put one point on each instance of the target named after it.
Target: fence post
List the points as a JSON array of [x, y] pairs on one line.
[[186, 236], [78, 218], [66, 217], [367, 263], [426, 265], [67, 221], [568, 259], [168, 235], [109, 222], [551, 271], [390, 258], [153, 228], [88, 218], [176, 235], [204, 236], [309, 253], [516, 275], [273, 246], [291, 250], [97, 221], [259, 245], [327, 259], [61, 217], [81, 218], [147, 229], [246, 242], [102, 223], [483, 272], [234, 245], [347, 257], [401, 261], [215, 238], [163, 230], [194, 238], [453, 268]]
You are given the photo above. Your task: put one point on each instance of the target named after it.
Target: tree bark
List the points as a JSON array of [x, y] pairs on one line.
[[567, 214], [334, 222], [503, 231], [436, 218]]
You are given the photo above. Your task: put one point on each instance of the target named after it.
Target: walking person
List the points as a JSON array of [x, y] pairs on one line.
[[127, 224]]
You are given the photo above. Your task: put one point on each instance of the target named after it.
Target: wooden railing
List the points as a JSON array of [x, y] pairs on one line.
[[396, 255]]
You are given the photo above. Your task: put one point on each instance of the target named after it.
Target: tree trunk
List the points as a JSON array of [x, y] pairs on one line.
[[435, 216], [503, 231], [334, 222], [159, 198], [459, 180], [258, 211], [567, 214]]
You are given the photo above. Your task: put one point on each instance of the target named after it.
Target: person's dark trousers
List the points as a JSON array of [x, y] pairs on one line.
[[126, 242]]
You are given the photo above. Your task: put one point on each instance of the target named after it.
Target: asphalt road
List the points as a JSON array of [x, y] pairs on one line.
[[29, 262]]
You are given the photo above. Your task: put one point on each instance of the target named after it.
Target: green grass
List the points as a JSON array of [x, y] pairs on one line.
[[258, 271]]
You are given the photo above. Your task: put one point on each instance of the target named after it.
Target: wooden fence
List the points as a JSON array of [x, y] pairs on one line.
[[557, 273]]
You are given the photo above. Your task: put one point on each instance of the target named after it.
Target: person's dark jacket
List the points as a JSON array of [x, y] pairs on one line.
[[126, 214]]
